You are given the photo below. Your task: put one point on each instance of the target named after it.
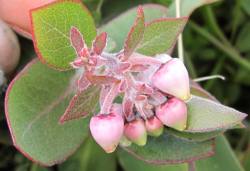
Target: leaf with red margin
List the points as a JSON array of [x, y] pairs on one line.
[[206, 115], [167, 149], [76, 39], [82, 104], [135, 35], [100, 79], [100, 43], [131, 163], [33, 111], [118, 31], [160, 35], [51, 26], [201, 136], [224, 158]]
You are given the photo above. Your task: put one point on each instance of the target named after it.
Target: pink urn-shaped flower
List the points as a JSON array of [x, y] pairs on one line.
[[172, 78], [154, 126], [173, 114], [108, 129], [136, 132]]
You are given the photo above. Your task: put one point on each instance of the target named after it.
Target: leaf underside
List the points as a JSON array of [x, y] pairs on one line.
[[51, 26], [33, 111]]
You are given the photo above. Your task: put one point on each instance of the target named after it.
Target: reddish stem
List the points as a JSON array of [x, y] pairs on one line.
[[109, 99]]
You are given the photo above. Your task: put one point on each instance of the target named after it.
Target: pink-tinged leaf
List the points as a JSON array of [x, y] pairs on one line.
[[168, 149], [206, 115], [98, 61], [101, 79], [100, 43], [83, 82], [141, 98], [124, 66], [160, 35], [123, 85], [138, 68], [51, 25], [127, 108], [159, 97], [76, 39], [135, 35], [82, 104], [144, 88]]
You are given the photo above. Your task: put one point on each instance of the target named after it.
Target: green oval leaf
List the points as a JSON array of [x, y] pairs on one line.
[[160, 35], [130, 163], [51, 26], [167, 149], [35, 102], [224, 158], [119, 28], [206, 115]]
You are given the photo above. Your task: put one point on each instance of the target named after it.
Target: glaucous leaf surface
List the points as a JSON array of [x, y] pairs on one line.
[[135, 35], [205, 115], [131, 163], [200, 136], [51, 26], [223, 159], [187, 7], [90, 157], [167, 149], [35, 102], [119, 28], [160, 35]]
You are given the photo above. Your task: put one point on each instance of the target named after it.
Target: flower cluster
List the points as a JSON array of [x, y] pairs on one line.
[[153, 90]]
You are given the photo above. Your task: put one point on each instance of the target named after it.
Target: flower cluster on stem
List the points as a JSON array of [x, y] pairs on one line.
[[153, 90]]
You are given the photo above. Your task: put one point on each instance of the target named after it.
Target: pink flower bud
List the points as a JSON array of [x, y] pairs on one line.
[[154, 126], [172, 78], [136, 132], [108, 129], [173, 114]]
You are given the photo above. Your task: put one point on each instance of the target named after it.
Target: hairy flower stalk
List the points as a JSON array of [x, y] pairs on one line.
[[145, 107]]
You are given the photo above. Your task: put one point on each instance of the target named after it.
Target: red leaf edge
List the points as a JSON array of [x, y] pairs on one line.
[[169, 18], [20, 31], [33, 34], [10, 127], [172, 162], [202, 139], [139, 15], [62, 120], [102, 37]]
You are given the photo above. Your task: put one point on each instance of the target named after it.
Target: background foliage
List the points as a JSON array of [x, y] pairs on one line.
[[216, 41]]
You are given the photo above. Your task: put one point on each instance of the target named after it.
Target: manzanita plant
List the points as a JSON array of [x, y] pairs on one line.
[[140, 97]]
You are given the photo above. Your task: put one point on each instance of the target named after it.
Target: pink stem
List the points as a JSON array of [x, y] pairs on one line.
[[159, 97], [103, 95], [109, 99], [145, 60]]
